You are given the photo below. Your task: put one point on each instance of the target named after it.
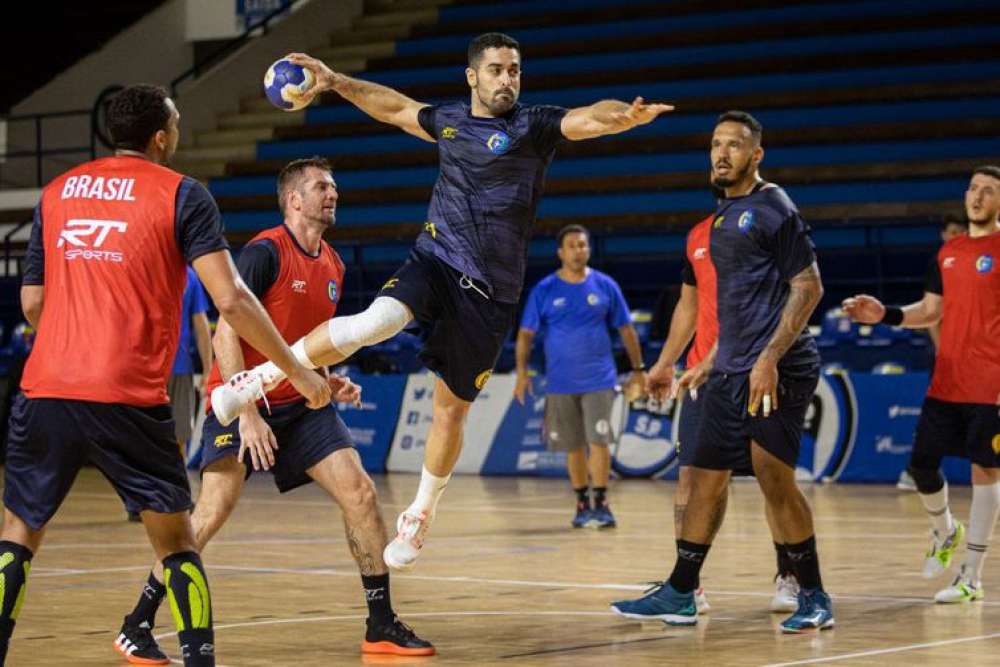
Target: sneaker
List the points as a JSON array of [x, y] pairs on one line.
[[584, 515], [906, 482], [393, 638], [938, 556], [963, 589], [136, 644], [402, 552], [242, 389], [814, 612], [786, 594], [660, 603], [701, 601], [603, 518]]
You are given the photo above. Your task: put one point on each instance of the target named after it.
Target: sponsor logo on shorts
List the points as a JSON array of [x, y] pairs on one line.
[[602, 427], [498, 143], [223, 440], [984, 264], [746, 221], [431, 229], [449, 133], [332, 291], [390, 283], [482, 378], [996, 444], [593, 299]]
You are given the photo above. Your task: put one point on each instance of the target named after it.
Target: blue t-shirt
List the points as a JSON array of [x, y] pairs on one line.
[[195, 301], [574, 319], [759, 242], [492, 171]]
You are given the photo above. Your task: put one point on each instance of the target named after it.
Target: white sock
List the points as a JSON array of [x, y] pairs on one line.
[[273, 374], [982, 518], [936, 505], [428, 493]]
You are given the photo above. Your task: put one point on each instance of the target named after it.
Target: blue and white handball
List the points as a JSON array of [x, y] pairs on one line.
[[286, 83]]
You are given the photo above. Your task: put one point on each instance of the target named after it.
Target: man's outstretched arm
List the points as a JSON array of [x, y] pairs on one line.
[[380, 102], [609, 117]]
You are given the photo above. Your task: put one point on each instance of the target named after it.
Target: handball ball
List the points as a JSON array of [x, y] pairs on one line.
[[285, 84]]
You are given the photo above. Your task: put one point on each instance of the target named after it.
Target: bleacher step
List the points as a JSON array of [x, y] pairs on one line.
[[233, 137], [395, 18], [385, 49], [268, 116]]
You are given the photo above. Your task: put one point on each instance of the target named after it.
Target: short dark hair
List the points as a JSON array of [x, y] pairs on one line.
[[743, 118], [135, 114], [291, 172], [988, 169], [490, 40], [570, 229], [952, 219]]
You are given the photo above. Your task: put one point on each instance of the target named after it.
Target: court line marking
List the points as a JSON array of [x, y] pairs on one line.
[[884, 651]]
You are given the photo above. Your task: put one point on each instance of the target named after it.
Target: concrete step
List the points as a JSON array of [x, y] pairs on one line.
[[369, 35], [223, 153], [266, 116], [234, 137], [202, 170], [385, 49], [379, 6]]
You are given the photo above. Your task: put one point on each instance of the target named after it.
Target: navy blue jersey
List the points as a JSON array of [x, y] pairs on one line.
[[759, 242], [487, 192]]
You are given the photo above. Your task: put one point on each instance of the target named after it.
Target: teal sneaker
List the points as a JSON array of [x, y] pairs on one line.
[[815, 612], [660, 603], [939, 555]]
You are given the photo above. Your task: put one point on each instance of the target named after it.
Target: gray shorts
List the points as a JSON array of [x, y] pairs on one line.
[[573, 420], [182, 402]]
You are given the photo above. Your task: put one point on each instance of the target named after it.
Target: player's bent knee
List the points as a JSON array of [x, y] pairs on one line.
[[927, 481], [383, 319]]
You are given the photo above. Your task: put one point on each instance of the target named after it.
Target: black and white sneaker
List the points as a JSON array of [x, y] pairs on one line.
[[136, 644], [393, 637]]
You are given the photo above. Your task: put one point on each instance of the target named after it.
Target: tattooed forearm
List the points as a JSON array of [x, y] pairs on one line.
[[366, 562], [806, 291]]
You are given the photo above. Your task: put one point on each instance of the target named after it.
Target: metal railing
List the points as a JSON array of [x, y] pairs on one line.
[[39, 152]]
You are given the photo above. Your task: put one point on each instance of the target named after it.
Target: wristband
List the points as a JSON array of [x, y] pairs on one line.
[[893, 316], [639, 369]]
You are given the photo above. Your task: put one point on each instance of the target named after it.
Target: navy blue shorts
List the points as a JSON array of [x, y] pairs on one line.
[[462, 329], [726, 428], [50, 439], [687, 427], [946, 428], [305, 437]]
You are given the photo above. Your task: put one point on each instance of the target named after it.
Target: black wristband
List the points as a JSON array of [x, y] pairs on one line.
[[893, 316]]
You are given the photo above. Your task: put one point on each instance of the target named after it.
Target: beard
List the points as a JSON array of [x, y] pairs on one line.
[[498, 106], [733, 178]]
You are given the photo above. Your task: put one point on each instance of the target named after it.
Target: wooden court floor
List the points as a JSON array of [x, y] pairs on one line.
[[504, 580]]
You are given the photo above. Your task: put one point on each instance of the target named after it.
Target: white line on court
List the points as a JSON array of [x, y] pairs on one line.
[[884, 651]]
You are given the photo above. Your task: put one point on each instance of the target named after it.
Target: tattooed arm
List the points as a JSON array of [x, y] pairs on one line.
[[803, 297]]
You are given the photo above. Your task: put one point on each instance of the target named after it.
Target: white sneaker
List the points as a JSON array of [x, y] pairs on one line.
[[701, 601], [963, 589], [242, 389], [402, 552], [786, 594], [941, 552], [906, 482]]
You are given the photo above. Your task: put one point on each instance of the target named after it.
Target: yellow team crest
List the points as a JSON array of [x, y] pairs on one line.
[[449, 133], [224, 439], [485, 375], [996, 444], [390, 283]]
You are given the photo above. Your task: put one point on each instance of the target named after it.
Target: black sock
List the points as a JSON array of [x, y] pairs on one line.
[[15, 564], [152, 595], [191, 604], [600, 496], [687, 569], [785, 565], [805, 560], [377, 596], [582, 498]]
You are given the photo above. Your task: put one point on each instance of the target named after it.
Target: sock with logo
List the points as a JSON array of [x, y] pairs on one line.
[[152, 595], [687, 569], [785, 565], [377, 596], [191, 605], [15, 564], [582, 498]]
